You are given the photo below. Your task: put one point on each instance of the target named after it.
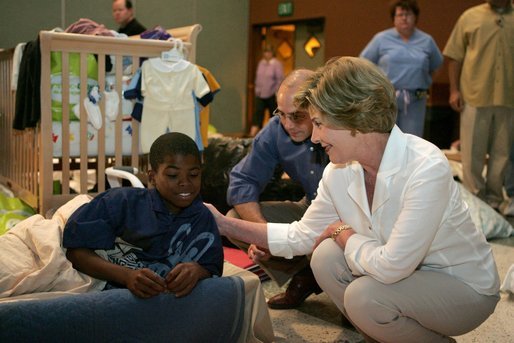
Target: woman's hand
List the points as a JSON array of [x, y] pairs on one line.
[[341, 238], [144, 283], [217, 214], [257, 254], [327, 233], [183, 278]]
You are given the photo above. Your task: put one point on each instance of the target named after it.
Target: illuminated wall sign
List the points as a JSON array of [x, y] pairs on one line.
[[285, 9]]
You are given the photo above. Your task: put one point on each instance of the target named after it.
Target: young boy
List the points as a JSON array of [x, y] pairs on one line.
[[174, 239]]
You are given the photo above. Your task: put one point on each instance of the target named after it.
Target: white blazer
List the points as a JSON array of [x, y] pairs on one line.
[[418, 221]]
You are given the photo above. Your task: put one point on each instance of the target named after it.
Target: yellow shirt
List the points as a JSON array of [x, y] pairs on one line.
[[214, 86], [483, 41]]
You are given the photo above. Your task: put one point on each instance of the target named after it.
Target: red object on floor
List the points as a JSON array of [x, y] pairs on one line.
[[237, 257]]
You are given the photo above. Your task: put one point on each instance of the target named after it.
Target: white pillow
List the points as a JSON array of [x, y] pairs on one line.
[[64, 212], [508, 283], [492, 224]]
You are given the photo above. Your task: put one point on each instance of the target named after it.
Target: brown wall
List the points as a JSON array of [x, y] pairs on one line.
[[350, 24]]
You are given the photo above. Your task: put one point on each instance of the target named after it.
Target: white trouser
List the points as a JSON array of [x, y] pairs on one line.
[[424, 307]]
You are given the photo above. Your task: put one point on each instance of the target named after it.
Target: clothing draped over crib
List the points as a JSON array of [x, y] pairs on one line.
[[172, 96]]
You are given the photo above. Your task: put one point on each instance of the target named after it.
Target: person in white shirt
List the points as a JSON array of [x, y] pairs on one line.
[[392, 242]]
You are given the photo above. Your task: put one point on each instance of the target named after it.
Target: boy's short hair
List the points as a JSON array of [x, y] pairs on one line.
[[172, 143]]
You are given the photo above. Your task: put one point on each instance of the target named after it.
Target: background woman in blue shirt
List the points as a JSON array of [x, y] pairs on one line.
[[409, 58]]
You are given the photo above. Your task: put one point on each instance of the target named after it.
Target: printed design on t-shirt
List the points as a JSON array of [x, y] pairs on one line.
[[123, 255], [183, 248], [129, 260]]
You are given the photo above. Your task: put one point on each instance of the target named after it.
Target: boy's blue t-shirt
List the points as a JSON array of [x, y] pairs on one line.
[[139, 216]]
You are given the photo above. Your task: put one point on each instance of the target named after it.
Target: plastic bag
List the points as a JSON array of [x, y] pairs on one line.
[[74, 77], [12, 211]]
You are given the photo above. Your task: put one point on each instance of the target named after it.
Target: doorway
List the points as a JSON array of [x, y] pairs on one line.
[[299, 44]]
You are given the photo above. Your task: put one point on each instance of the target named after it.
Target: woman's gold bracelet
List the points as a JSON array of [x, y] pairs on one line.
[[340, 229]]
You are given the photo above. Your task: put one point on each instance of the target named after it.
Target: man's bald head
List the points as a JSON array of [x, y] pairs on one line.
[[295, 79], [295, 121]]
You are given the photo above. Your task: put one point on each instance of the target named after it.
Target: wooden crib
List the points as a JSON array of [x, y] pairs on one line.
[[28, 165]]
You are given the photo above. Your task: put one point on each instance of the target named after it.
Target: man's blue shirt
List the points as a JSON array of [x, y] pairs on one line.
[[303, 162]]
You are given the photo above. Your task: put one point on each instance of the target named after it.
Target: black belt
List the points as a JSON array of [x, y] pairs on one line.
[[419, 93]]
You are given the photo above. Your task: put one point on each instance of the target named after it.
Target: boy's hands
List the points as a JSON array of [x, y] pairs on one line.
[[144, 283], [183, 278]]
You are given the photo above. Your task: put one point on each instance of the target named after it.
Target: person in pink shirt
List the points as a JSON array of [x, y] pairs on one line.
[[270, 74]]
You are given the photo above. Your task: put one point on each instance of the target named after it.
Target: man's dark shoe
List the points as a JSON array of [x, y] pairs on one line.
[[301, 286]]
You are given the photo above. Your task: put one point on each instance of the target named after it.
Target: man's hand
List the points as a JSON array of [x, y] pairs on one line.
[[250, 211], [257, 254], [183, 278], [144, 283], [456, 102], [454, 71]]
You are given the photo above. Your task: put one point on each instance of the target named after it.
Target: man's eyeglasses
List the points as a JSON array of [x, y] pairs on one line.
[[295, 117]]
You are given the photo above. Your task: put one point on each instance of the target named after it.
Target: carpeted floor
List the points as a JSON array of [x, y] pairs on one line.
[[318, 320]]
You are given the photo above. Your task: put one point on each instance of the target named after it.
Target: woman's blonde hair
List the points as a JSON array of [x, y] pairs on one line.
[[351, 93]]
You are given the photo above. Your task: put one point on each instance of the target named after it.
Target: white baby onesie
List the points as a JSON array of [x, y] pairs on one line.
[[169, 105]]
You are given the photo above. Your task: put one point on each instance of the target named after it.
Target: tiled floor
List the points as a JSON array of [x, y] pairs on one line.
[[318, 320]]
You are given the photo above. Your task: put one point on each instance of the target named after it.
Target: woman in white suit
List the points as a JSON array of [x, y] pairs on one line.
[[392, 242]]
